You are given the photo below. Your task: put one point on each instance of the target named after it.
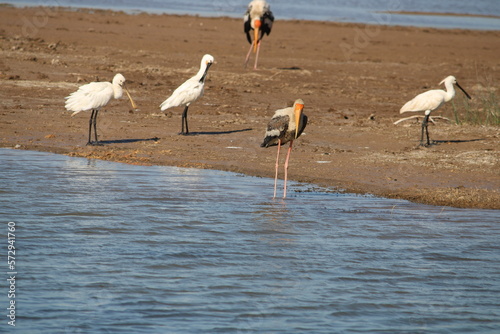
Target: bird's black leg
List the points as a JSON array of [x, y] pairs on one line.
[[422, 134], [184, 120], [93, 123], [90, 127], [95, 128], [427, 133], [425, 124]]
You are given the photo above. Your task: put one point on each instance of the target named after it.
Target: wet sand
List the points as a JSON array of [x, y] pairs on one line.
[[353, 79]]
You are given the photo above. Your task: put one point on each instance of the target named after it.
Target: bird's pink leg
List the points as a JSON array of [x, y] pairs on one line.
[[248, 54], [257, 56], [277, 165], [286, 167]]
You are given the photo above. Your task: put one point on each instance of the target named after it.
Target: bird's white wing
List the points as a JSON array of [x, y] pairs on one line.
[[185, 94], [430, 100], [91, 96]]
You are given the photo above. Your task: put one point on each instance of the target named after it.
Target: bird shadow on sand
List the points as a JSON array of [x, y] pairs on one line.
[[198, 133], [127, 141], [457, 141]]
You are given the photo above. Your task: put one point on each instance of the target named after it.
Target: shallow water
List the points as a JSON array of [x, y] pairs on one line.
[[106, 247], [359, 11]]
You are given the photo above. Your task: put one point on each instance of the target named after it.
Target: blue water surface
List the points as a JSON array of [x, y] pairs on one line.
[[105, 247], [358, 11]]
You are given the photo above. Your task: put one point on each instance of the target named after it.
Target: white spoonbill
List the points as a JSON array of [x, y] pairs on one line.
[[430, 101], [189, 91], [258, 18], [94, 96], [285, 126]]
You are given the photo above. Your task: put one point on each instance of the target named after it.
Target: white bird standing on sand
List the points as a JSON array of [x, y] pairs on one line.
[[430, 101], [189, 91], [94, 96], [258, 18], [285, 126]]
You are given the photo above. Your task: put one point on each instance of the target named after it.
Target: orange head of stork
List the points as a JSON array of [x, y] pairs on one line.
[[298, 107], [256, 28]]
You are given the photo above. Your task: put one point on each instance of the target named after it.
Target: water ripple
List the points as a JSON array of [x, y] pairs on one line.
[[113, 248]]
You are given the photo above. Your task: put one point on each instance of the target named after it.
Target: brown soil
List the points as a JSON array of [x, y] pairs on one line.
[[353, 79]]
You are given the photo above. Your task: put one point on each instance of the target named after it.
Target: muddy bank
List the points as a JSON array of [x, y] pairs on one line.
[[353, 79]]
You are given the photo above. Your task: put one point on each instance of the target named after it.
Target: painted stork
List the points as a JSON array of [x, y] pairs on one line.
[[258, 18], [189, 91], [430, 101], [285, 126], [94, 96]]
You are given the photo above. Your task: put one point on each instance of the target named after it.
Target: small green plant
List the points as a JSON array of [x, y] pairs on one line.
[[483, 109]]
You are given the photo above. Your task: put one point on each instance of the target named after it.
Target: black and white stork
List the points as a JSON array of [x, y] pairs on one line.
[[258, 18], [285, 126]]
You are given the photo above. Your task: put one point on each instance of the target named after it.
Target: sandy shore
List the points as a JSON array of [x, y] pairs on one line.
[[353, 79]]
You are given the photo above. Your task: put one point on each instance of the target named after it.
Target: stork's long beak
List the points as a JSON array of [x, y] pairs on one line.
[[130, 98], [298, 114], [256, 29], [463, 90]]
